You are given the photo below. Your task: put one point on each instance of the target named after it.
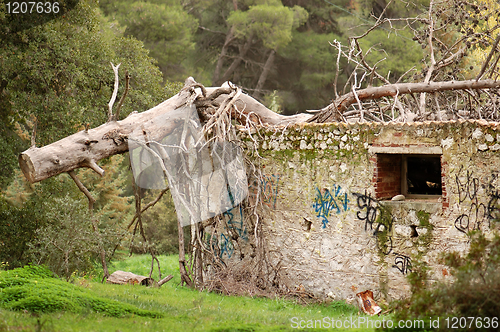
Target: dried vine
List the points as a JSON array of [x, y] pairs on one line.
[[210, 265]]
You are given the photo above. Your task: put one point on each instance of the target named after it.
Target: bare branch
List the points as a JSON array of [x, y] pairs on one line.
[[92, 200], [93, 165], [145, 208], [337, 70], [430, 70], [115, 92], [488, 58], [33, 131], [330, 113], [83, 189]]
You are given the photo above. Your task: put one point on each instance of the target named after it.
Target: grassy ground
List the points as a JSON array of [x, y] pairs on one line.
[[183, 309]]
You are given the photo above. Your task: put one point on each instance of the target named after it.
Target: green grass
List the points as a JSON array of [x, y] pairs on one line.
[[169, 308]]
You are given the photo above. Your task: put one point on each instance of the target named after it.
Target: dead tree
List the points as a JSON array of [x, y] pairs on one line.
[[87, 147], [442, 94]]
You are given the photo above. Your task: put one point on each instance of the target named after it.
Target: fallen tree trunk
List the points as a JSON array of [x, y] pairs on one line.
[[123, 278], [87, 147]]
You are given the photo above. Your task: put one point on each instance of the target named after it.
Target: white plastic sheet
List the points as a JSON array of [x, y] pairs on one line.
[[205, 179]]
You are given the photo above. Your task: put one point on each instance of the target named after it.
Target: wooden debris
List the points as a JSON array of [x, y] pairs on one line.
[[122, 278]]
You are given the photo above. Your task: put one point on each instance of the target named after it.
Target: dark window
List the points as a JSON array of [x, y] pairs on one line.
[[412, 175], [423, 175]]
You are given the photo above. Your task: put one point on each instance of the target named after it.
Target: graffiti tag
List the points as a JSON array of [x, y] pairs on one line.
[[328, 202], [266, 189], [236, 225], [477, 213], [402, 263], [369, 211]]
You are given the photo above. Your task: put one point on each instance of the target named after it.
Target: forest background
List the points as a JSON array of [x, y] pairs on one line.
[[57, 78]]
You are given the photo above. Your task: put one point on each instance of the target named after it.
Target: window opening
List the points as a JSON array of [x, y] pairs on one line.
[[423, 175], [412, 175]]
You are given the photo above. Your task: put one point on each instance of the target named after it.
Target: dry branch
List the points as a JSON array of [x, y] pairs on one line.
[[332, 112], [120, 103], [115, 92]]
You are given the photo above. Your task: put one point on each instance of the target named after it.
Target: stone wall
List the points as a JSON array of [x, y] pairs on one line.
[[326, 225]]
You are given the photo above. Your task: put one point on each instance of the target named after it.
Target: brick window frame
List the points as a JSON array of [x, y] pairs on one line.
[[390, 170]]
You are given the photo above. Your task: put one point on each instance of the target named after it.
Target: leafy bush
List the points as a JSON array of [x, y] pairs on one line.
[[475, 291], [22, 213], [16, 226], [49, 222], [33, 288], [66, 243]]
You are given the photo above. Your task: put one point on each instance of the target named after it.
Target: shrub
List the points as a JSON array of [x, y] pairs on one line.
[[49, 222], [66, 243], [475, 291]]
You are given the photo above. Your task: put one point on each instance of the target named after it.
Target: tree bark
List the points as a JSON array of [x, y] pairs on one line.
[[123, 278], [220, 61], [182, 256], [236, 62], [87, 147], [263, 76], [222, 55]]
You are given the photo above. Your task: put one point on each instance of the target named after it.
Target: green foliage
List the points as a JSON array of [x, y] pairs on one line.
[[344, 308], [10, 146], [271, 22], [114, 205], [33, 288], [59, 73], [475, 291], [274, 101], [49, 223], [181, 308], [160, 227], [172, 88], [166, 30], [308, 70], [66, 243], [22, 215], [385, 50], [396, 9]]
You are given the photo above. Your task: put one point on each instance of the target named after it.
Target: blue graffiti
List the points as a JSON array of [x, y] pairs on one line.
[[219, 248], [226, 246], [236, 225], [223, 244], [330, 201]]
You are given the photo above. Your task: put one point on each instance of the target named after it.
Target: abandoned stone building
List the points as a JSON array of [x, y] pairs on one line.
[[354, 206]]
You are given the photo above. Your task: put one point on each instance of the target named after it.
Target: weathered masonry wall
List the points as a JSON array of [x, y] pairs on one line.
[[327, 221]]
